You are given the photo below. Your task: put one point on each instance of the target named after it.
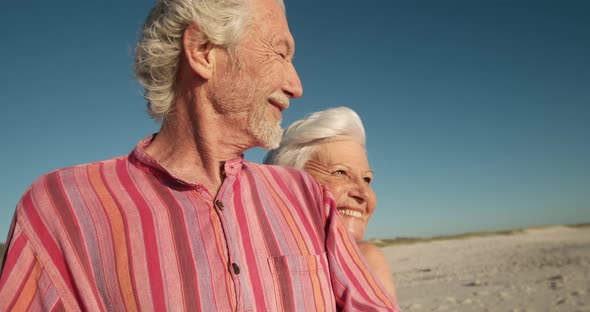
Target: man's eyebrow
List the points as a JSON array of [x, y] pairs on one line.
[[287, 44]]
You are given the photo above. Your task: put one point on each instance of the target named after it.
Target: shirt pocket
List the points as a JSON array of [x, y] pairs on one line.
[[302, 282]]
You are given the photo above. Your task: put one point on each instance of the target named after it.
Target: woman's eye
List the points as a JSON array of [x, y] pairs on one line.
[[339, 172], [368, 180]]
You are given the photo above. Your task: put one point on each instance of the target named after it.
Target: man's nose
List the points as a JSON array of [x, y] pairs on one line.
[[292, 87]]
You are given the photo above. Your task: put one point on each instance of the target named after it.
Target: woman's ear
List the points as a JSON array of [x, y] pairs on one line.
[[198, 51]]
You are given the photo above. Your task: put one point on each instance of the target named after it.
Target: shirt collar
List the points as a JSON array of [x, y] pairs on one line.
[[140, 158]]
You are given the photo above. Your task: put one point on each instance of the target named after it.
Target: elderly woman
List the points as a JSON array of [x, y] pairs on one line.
[[330, 145]]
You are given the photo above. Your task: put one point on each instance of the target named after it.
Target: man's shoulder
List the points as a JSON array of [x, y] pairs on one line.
[[286, 177], [93, 164], [67, 176], [277, 168], [53, 195], [288, 174], [292, 178]]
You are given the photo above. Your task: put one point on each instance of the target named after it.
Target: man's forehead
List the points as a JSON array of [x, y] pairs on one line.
[[268, 15], [268, 10], [268, 3]]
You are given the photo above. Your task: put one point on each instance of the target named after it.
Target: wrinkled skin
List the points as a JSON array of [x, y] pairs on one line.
[[342, 166], [255, 86]]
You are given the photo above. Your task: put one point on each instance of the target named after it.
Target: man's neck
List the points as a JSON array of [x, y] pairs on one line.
[[192, 145]]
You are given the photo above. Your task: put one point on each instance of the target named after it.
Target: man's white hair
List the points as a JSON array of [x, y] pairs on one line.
[[301, 138], [158, 51]]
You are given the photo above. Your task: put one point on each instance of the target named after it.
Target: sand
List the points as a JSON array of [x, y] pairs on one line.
[[545, 269]]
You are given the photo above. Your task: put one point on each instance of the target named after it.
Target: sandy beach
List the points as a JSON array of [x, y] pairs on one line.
[[544, 269]]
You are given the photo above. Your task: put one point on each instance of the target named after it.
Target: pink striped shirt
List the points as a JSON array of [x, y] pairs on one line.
[[126, 235]]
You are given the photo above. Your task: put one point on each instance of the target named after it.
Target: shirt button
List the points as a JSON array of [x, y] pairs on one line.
[[219, 204], [236, 268]]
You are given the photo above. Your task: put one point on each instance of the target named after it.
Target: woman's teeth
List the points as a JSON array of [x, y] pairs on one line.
[[350, 213]]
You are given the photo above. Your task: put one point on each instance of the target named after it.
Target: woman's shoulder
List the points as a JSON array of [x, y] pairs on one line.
[[379, 264], [374, 255], [369, 249]]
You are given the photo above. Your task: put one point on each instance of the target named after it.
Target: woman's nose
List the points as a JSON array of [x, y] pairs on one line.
[[359, 191]]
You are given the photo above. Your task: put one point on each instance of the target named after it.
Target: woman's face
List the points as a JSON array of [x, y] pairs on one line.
[[342, 166]]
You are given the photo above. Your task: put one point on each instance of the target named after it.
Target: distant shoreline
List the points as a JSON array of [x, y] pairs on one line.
[[415, 240]]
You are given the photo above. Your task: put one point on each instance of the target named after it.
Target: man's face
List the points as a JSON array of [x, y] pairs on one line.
[[254, 89], [342, 166]]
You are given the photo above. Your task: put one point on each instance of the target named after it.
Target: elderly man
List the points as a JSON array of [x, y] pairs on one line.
[[183, 222]]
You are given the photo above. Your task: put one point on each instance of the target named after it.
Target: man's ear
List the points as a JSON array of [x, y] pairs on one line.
[[198, 51]]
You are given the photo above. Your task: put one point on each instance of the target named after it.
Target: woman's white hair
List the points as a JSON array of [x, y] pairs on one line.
[[301, 138], [157, 54]]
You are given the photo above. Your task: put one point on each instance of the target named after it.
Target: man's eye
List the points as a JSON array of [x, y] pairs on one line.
[[339, 172], [368, 180]]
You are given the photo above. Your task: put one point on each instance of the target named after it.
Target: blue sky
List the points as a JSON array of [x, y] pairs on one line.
[[477, 113]]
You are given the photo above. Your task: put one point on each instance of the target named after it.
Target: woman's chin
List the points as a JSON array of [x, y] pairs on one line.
[[355, 227]]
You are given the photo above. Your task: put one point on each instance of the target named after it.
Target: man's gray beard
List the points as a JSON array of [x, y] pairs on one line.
[[267, 134]]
